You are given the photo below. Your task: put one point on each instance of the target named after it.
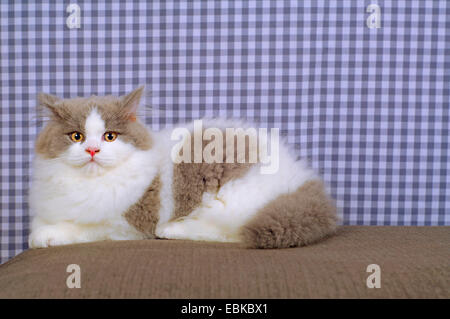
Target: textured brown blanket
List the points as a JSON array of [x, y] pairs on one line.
[[414, 262]]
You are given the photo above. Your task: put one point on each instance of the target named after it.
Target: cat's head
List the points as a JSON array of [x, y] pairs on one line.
[[92, 134]]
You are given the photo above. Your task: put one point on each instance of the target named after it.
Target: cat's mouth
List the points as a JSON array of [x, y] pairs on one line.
[[93, 161], [97, 162]]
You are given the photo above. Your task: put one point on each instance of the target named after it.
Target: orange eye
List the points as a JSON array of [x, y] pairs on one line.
[[76, 136], [110, 136]]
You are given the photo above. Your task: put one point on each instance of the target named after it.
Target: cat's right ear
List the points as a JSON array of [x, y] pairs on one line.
[[49, 101]]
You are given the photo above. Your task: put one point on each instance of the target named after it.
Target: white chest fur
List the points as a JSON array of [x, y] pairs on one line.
[[59, 193]]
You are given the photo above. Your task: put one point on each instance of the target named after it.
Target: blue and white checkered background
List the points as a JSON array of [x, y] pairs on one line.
[[368, 107]]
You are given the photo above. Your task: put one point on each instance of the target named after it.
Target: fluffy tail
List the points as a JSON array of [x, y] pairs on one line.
[[295, 219]]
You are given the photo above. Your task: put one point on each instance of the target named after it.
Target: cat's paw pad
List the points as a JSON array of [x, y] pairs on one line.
[[47, 237]]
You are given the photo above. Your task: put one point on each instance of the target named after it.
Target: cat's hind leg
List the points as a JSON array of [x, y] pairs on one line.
[[199, 224]]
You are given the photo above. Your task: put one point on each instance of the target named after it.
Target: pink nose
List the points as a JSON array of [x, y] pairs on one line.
[[92, 150]]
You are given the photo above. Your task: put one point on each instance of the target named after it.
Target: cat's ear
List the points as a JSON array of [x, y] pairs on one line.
[[49, 101], [130, 103]]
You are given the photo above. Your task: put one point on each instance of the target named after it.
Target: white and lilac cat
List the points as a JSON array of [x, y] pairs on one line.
[[100, 174]]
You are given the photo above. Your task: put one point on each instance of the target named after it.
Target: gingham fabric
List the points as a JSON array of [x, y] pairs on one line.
[[368, 107]]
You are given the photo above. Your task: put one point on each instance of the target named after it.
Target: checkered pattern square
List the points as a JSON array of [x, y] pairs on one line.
[[369, 108]]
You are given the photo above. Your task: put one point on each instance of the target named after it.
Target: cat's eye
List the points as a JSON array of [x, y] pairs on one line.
[[76, 136], [110, 136]]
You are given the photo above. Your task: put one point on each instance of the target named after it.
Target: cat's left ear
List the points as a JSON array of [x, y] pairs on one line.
[[130, 102]]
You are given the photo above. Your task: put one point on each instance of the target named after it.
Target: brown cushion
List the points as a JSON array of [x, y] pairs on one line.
[[414, 261]]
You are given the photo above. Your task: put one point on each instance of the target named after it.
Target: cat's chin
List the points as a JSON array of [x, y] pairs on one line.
[[93, 168]]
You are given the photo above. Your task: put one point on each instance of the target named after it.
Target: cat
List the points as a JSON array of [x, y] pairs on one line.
[[100, 174]]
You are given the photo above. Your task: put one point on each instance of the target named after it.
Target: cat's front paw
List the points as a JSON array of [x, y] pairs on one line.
[[48, 236]]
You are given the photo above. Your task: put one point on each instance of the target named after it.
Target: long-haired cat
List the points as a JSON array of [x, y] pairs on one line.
[[100, 174]]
